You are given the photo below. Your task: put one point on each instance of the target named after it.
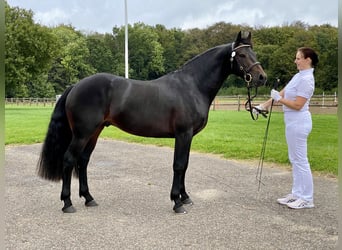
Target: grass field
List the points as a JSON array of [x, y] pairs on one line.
[[231, 134]]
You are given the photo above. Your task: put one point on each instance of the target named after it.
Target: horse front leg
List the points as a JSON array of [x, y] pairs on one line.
[[180, 164], [184, 196]]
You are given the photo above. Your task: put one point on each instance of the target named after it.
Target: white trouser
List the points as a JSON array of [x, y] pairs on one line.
[[298, 126]]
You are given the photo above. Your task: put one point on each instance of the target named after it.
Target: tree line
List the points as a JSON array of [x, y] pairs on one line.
[[42, 61]]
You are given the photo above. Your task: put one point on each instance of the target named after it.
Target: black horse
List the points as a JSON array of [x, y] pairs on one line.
[[174, 106]]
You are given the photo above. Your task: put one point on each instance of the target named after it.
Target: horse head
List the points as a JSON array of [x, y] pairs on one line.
[[244, 63]]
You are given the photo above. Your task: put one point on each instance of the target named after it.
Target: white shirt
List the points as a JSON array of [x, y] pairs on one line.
[[302, 84]]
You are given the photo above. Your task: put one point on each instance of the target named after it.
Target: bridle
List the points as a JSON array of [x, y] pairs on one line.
[[247, 76], [245, 69]]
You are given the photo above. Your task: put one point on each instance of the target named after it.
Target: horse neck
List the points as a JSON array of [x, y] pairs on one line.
[[210, 69]]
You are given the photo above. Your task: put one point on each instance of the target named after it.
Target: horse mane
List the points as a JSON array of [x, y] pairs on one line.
[[196, 58], [245, 39]]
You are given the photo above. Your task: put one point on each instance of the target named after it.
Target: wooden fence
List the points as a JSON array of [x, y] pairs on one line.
[[320, 103], [31, 101], [238, 102]]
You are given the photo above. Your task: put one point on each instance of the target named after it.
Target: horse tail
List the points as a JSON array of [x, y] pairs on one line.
[[57, 140]]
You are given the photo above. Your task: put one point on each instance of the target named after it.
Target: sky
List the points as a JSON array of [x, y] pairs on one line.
[[100, 16]]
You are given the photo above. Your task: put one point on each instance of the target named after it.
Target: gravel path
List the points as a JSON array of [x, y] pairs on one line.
[[131, 183]]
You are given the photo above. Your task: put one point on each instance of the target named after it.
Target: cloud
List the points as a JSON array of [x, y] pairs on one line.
[[52, 17], [206, 18], [101, 16]]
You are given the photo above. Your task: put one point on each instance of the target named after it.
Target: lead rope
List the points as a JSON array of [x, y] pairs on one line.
[[250, 108], [249, 103], [263, 148]]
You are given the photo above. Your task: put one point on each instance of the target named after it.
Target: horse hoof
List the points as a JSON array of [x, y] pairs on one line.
[[180, 210], [69, 210], [91, 203], [187, 201]]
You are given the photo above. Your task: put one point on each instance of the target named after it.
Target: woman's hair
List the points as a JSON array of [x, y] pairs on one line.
[[308, 52]]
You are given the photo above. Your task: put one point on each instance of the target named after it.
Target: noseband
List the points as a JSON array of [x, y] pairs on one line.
[[248, 79]]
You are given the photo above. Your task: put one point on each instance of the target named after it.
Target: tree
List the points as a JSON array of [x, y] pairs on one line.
[[222, 33], [193, 43], [30, 49], [146, 58], [326, 42], [171, 41], [72, 62], [276, 48], [40, 60], [100, 54]]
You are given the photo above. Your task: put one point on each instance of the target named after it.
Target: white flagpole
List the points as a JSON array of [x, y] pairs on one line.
[[126, 41]]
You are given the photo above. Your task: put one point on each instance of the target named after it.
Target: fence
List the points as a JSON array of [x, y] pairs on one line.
[[319, 103], [31, 101]]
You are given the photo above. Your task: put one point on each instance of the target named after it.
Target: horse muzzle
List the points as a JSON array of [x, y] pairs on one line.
[[257, 77]]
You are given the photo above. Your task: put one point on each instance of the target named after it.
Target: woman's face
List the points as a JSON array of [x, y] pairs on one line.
[[301, 62]]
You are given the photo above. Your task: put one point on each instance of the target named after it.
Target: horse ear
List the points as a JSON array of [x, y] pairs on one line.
[[238, 38], [249, 37], [244, 37]]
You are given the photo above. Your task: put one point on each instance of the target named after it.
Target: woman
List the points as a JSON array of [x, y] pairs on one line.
[[295, 99]]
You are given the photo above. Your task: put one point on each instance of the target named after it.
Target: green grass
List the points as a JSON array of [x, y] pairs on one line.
[[26, 124], [232, 134]]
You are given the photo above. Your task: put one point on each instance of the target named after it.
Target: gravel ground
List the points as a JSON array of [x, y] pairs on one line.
[[131, 183]]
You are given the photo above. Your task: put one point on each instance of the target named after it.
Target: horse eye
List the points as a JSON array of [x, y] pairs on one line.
[[242, 55]]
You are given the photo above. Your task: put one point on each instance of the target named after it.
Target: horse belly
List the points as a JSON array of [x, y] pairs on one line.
[[143, 124]]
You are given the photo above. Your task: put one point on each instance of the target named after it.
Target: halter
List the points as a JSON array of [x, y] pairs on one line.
[[248, 79]]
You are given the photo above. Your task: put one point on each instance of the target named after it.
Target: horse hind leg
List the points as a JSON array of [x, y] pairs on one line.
[[69, 162], [82, 171], [83, 180], [68, 165]]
